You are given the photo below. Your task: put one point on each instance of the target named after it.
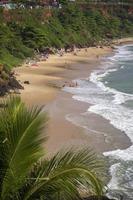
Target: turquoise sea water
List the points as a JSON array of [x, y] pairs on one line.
[[110, 92], [122, 79]]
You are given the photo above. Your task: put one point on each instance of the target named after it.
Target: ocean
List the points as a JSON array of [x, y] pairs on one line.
[[109, 91]]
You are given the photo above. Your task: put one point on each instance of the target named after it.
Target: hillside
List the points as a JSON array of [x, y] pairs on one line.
[[24, 31]]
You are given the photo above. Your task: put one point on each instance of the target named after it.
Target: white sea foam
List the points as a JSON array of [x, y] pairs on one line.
[[126, 154], [118, 115], [122, 67], [113, 184]]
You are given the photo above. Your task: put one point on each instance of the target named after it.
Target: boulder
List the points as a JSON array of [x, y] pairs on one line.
[[8, 82], [26, 82]]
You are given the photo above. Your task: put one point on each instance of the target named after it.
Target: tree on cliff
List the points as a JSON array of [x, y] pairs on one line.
[[26, 173]]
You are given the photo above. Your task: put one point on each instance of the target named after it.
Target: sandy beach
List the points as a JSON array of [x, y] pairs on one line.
[[45, 88], [49, 76]]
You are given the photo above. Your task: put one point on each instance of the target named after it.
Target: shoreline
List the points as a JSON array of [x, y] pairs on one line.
[[105, 138], [45, 89]]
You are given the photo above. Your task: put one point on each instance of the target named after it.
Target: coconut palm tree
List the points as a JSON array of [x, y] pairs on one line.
[[25, 171]]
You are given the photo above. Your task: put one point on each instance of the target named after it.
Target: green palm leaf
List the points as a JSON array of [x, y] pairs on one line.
[[68, 171], [21, 130]]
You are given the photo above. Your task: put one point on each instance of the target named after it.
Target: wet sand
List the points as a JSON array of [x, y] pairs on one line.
[[101, 135]]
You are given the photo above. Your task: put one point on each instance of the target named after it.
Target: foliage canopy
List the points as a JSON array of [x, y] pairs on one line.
[[24, 31]]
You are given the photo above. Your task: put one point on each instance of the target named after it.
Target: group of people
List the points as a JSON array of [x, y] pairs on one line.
[[44, 56], [70, 84]]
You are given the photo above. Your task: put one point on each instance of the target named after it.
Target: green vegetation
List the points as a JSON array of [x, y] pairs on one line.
[[24, 31], [25, 171]]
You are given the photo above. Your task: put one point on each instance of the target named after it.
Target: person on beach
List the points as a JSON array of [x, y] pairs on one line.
[[74, 51]]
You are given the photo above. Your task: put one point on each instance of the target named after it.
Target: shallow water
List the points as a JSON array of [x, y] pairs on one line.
[[109, 90]]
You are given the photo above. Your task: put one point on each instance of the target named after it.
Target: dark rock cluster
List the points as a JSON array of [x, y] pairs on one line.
[[8, 82]]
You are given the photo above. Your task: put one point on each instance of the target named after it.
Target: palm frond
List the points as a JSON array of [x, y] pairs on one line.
[[20, 130], [72, 168]]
